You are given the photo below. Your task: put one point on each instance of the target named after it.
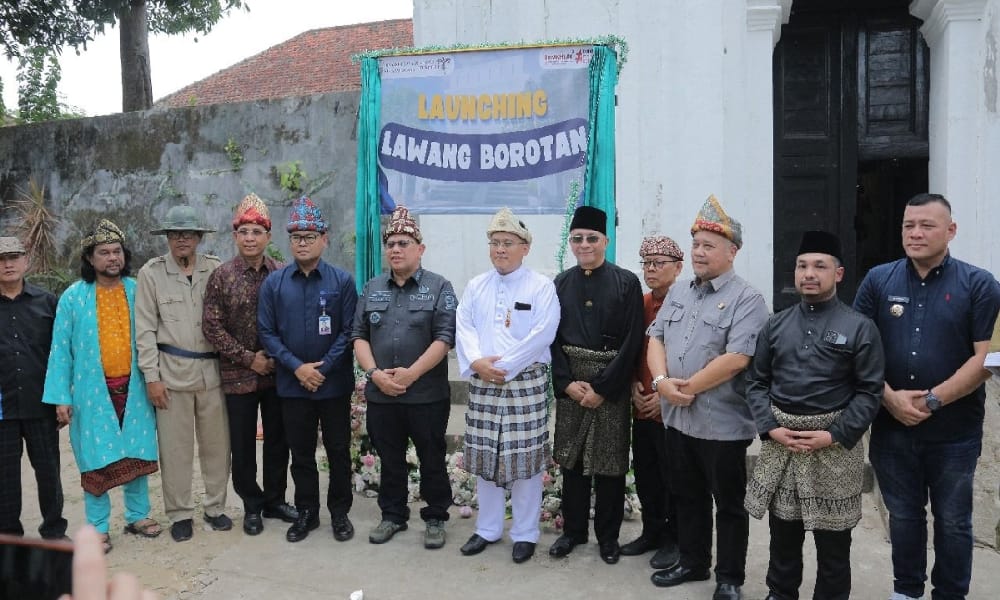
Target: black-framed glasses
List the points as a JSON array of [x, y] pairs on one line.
[[656, 265], [593, 238], [303, 239], [402, 244]]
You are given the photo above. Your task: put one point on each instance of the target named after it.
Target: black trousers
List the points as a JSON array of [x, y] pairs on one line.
[[609, 504], [242, 410], [833, 561], [702, 471], [41, 438], [652, 480], [302, 417], [390, 426]]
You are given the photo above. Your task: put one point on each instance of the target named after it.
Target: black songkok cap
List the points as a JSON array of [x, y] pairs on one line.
[[588, 217], [822, 242]]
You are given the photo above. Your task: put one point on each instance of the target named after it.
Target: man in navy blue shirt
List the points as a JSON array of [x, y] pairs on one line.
[[935, 314], [304, 321]]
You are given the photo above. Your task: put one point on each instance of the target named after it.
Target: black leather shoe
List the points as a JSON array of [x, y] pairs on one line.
[[639, 545], [477, 544], [563, 546], [252, 523], [667, 556], [522, 551], [728, 591], [610, 552], [219, 522], [307, 521], [678, 575], [343, 530], [182, 531], [284, 511]]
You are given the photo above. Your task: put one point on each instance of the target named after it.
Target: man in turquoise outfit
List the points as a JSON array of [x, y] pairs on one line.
[[112, 423]]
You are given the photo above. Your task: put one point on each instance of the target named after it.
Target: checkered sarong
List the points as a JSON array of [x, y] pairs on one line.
[[506, 427]]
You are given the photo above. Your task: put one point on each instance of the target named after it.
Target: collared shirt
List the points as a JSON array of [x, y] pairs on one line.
[[928, 327], [25, 336], [168, 310], [698, 322], [650, 308], [814, 359], [400, 323], [600, 309], [512, 316], [230, 322], [288, 320]]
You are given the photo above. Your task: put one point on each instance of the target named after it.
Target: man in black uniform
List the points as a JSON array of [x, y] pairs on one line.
[[599, 338], [814, 386], [26, 317]]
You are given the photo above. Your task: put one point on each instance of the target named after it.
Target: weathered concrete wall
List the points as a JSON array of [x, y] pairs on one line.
[[133, 167]]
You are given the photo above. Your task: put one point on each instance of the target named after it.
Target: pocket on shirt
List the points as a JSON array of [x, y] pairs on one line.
[[375, 312], [421, 313], [171, 308], [520, 323]]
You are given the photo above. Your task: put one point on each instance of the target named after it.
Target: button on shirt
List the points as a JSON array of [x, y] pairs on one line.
[[928, 327], [288, 313], [512, 316], [25, 336], [697, 323], [400, 323]]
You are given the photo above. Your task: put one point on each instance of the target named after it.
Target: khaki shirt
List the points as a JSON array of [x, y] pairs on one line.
[[168, 310]]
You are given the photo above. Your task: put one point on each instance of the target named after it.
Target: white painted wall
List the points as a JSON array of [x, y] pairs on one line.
[[964, 120], [695, 113], [694, 118]]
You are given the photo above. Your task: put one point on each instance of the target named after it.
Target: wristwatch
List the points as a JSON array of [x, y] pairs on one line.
[[657, 380], [370, 372], [933, 402]]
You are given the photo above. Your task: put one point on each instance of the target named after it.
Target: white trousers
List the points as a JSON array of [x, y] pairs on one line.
[[526, 504]]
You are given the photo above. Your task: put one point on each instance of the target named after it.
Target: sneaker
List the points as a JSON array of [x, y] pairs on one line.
[[384, 531], [434, 534]]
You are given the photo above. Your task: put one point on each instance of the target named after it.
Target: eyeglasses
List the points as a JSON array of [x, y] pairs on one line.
[[656, 265], [403, 244], [578, 239], [251, 232], [505, 244], [181, 235], [300, 239]]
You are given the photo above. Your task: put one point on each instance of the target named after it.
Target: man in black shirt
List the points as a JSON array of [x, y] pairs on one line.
[[814, 386], [26, 316]]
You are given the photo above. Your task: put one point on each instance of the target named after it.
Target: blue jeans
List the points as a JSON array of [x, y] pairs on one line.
[[909, 470]]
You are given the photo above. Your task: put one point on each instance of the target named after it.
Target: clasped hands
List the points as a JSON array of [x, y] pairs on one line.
[[394, 381], [582, 393], [801, 441], [309, 376], [672, 389], [909, 407]]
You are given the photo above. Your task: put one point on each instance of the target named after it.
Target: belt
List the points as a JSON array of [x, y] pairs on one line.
[[174, 350]]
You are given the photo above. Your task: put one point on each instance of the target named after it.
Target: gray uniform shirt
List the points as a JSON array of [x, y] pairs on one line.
[[698, 322]]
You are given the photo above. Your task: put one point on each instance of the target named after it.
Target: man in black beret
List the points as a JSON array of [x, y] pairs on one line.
[[814, 386]]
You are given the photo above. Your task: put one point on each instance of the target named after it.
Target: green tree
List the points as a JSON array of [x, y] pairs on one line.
[[38, 78], [58, 23]]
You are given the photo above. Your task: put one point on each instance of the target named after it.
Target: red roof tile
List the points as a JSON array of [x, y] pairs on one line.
[[313, 62]]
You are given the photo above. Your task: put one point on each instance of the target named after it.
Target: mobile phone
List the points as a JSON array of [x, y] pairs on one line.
[[35, 569]]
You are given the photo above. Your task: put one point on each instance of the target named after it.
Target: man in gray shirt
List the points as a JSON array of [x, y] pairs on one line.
[[404, 326], [699, 345]]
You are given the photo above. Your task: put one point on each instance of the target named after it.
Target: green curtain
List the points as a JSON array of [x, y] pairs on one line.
[[368, 259], [599, 180]]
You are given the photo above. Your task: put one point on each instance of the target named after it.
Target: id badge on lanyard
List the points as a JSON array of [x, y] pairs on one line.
[[325, 323]]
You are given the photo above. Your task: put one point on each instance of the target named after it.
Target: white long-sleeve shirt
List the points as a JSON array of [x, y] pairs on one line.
[[512, 316]]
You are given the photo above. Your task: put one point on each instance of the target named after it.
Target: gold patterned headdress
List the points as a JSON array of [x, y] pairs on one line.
[[713, 218], [252, 211], [105, 233]]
